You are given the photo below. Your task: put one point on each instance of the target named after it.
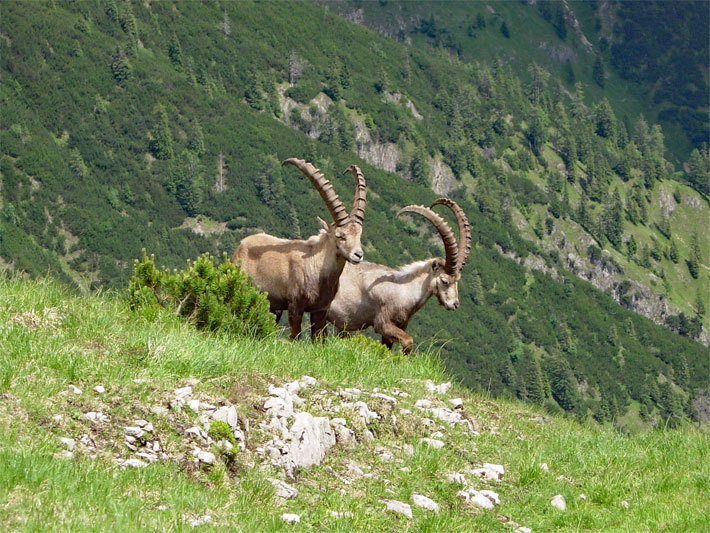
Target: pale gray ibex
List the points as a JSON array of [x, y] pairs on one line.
[[302, 276], [387, 298]]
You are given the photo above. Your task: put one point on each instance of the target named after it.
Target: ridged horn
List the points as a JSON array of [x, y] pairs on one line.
[[447, 234], [358, 211], [324, 188], [464, 247]]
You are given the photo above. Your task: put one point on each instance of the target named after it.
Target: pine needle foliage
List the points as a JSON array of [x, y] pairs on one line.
[[214, 298]]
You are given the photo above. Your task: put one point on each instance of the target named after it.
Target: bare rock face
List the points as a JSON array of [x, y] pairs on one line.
[[305, 445]]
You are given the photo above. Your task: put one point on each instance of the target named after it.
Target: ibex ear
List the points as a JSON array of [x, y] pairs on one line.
[[435, 266], [323, 223]]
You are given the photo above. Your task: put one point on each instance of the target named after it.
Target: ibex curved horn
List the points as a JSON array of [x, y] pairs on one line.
[[358, 211], [464, 246], [447, 234], [324, 188]]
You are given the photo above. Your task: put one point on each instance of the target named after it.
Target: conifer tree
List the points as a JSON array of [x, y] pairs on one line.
[[673, 252], [694, 259], [120, 67], [605, 120], [162, 144], [477, 289], [598, 72], [175, 53]]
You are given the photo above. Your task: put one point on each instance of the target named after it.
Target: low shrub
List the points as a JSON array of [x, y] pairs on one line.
[[215, 298]]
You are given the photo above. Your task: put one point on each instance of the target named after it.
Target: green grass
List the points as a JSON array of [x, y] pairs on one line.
[[50, 338]]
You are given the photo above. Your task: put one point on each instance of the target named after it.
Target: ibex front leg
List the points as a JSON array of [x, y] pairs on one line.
[[318, 325], [391, 334], [295, 316]]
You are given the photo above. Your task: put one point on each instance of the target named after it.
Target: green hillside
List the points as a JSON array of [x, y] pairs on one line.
[[643, 56], [158, 125], [79, 375]]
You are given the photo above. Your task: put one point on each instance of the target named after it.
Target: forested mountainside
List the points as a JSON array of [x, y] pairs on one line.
[[646, 57], [159, 125]]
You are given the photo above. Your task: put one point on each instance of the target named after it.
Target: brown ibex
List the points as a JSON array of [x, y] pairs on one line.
[[387, 298], [301, 276]]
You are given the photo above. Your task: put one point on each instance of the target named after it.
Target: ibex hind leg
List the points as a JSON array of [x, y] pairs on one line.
[[295, 316]]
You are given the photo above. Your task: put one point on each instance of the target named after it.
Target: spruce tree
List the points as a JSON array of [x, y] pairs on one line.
[[162, 144], [175, 53], [120, 67]]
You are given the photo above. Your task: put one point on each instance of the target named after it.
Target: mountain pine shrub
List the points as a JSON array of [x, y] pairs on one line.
[[215, 298]]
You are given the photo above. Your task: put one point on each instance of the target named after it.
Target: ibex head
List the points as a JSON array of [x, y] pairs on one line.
[[447, 272], [346, 229]]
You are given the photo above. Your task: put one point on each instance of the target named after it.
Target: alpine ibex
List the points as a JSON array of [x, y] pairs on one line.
[[302, 276], [387, 298]]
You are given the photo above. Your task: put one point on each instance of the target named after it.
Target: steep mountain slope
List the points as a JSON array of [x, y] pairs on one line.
[[132, 125], [145, 425], [643, 56]]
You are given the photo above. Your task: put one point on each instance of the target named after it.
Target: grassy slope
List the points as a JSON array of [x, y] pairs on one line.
[[50, 339]]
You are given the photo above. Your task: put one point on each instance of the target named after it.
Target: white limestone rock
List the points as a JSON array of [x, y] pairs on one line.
[[398, 507], [425, 503], [96, 417], [443, 388], [284, 490], [456, 403], [291, 518], [203, 456], [69, 443], [489, 472], [75, 390], [558, 502], [99, 389], [432, 443], [228, 415]]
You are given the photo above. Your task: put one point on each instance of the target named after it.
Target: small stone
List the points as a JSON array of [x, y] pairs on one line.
[[388, 399], [133, 431], [58, 418], [99, 389], [405, 412], [203, 456], [148, 427], [194, 405], [351, 394], [339, 514], [139, 381], [543, 466], [162, 507], [75, 390], [156, 446], [69, 443], [433, 443], [480, 500], [625, 504], [398, 507], [423, 404], [140, 423], [291, 518], [284, 490], [228, 415], [583, 497], [308, 381], [456, 403], [338, 421], [493, 496], [133, 463], [558, 502], [408, 449], [96, 417], [130, 439], [384, 454], [425, 503], [438, 389], [353, 469], [436, 435], [523, 529], [183, 393], [207, 519]]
